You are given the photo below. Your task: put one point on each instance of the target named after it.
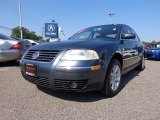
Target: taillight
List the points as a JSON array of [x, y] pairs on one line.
[[18, 46]]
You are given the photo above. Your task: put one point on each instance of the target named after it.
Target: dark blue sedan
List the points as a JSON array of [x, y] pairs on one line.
[[153, 53], [93, 59]]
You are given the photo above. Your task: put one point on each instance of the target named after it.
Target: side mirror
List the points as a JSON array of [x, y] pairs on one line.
[[128, 36]]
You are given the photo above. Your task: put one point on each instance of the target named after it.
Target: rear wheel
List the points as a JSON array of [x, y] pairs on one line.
[[113, 79]]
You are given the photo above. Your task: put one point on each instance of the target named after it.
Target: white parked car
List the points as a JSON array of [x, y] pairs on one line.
[[12, 49], [33, 42]]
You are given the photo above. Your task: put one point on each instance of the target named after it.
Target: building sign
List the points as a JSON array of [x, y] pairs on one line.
[[51, 30]]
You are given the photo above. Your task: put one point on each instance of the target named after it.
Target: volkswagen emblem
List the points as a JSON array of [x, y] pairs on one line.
[[35, 55]]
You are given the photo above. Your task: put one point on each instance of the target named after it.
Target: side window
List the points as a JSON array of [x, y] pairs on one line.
[[137, 38], [126, 30], [4, 37], [96, 35]]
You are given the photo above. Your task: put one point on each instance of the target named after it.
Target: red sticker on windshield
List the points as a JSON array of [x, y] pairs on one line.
[[80, 31]]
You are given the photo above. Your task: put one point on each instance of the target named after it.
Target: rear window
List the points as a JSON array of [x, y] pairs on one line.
[[4, 37]]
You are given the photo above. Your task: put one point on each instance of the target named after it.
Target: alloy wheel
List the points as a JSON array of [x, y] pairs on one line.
[[115, 77]]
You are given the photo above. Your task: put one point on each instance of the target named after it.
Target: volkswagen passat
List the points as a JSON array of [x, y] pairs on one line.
[[94, 58]]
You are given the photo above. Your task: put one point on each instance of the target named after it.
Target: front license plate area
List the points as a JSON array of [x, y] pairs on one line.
[[30, 69]]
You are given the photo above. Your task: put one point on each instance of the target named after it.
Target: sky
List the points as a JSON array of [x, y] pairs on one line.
[[73, 15]]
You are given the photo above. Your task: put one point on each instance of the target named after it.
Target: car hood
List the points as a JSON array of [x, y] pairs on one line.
[[75, 44]]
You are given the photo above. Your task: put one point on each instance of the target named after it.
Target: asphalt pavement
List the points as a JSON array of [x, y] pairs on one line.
[[139, 98]]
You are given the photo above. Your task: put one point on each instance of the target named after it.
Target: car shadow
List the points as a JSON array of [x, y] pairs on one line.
[[87, 96], [9, 64], [128, 77]]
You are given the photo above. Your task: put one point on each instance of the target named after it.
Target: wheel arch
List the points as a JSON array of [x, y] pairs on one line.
[[119, 57]]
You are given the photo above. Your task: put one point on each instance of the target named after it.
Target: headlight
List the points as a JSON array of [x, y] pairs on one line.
[[80, 55]]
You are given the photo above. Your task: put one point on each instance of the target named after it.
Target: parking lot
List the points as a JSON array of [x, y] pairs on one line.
[[139, 98]]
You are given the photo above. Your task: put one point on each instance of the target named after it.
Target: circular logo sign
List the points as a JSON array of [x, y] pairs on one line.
[[51, 28], [35, 55]]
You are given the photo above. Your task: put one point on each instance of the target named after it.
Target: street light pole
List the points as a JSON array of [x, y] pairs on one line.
[[20, 17], [110, 16]]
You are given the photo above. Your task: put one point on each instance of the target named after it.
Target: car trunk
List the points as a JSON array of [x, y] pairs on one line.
[[7, 44]]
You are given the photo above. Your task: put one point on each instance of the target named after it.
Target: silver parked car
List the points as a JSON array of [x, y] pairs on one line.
[[11, 48]]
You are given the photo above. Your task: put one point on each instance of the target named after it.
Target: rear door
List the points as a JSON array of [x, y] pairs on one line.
[[139, 47]]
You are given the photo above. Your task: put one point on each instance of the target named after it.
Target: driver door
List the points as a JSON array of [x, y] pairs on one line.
[[129, 49]]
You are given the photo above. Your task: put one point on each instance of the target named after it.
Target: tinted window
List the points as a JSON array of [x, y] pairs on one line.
[[135, 34], [153, 46], [126, 30], [95, 35], [106, 31]]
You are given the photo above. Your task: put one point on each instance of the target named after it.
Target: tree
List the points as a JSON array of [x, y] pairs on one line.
[[158, 43], [33, 36], [26, 33], [153, 42], [40, 38], [145, 43], [48, 40]]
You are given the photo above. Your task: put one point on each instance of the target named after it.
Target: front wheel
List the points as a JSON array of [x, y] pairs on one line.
[[113, 79]]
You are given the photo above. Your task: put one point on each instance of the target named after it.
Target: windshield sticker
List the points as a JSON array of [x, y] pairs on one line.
[[81, 31]]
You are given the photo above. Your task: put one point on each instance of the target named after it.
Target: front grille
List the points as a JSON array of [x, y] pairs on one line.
[[44, 55], [40, 81], [66, 84]]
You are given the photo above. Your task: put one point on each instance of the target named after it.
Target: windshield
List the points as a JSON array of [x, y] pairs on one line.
[[106, 31], [152, 46], [4, 37]]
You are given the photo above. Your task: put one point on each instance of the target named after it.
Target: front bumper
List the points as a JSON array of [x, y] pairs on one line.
[[57, 76]]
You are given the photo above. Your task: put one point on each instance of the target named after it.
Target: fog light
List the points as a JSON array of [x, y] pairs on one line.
[[74, 85]]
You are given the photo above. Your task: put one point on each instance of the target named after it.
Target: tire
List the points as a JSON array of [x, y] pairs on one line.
[[112, 83], [141, 67]]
